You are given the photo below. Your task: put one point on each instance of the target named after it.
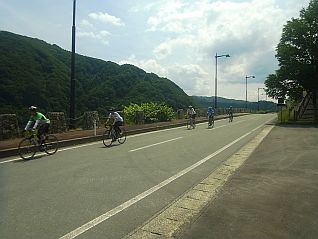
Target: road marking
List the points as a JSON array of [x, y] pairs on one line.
[[130, 136], [187, 208], [151, 145], [96, 221], [64, 149]]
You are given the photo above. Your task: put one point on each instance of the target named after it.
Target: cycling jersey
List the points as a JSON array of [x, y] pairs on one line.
[[210, 112], [191, 111], [37, 119], [116, 117]]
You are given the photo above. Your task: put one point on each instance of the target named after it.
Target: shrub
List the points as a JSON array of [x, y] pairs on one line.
[[152, 112]]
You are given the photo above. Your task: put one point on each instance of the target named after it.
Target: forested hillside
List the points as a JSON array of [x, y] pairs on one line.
[[33, 72], [204, 102]]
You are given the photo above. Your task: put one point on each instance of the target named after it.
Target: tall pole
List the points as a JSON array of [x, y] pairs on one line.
[[258, 99], [246, 77], [246, 92], [72, 87], [216, 80]]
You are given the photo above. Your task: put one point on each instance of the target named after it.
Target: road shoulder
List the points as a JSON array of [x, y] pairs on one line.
[[185, 210]]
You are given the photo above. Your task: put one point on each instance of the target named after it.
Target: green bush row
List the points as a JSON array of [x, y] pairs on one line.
[[152, 112]]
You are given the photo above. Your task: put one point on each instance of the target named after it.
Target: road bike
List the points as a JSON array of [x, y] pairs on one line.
[[29, 145], [191, 123], [211, 121], [111, 136], [230, 117]]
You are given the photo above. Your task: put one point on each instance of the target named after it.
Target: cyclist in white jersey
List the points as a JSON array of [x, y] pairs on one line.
[[117, 120]]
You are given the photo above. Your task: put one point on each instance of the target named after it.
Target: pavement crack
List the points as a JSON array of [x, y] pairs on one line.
[[172, 219]]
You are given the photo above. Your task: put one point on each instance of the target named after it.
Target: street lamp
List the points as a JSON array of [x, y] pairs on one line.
[[258, 97], [216, 77], [72, 86], [246, 77]]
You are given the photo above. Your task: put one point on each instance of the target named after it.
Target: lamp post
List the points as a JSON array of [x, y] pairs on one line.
[[246, 77], [258, 97], [72, 86], [216, 77]]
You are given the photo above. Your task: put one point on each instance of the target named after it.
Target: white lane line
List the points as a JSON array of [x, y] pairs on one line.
[[131, 136], [151, 145], [85, 227], [59, 150], [11, 160]]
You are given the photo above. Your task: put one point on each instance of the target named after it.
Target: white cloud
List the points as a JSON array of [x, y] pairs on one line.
[[102, 36], [149, 65], [86, 23], [165, 48], [106, 18]]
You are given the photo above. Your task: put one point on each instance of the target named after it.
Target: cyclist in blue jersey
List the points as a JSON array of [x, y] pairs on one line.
[[210, 114], [39, 121]]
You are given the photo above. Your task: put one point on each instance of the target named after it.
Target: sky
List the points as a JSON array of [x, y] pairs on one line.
[[175, 39]]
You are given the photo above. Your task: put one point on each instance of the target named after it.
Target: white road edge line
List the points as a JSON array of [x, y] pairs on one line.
[[85, 227], [98, 142], [151, 145]]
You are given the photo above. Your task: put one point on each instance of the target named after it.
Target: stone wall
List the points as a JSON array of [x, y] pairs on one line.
[[89, 119], [8, 126], [58, 122]]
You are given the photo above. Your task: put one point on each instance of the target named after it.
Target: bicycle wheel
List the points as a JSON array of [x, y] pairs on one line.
[[27, 148], [188, 124], [50, 144], [122, 136], [107, 138]]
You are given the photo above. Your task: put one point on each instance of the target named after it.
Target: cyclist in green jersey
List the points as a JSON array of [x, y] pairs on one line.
[[39, 121]]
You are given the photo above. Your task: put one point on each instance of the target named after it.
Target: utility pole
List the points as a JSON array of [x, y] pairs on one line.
[[72, 86]]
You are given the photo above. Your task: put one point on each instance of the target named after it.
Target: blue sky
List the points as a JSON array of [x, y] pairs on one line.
[[176, 39]]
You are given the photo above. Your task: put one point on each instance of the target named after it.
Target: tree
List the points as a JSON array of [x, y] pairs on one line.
[[297, 54]]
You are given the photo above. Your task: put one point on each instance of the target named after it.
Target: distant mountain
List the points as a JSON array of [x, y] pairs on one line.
[[33, 72], [204, 102]]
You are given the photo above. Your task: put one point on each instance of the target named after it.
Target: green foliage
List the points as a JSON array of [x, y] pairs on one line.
[[152, 112], [297, 53]]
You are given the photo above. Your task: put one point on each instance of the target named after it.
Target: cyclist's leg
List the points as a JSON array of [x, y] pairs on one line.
[[39, 134], [117, 128]]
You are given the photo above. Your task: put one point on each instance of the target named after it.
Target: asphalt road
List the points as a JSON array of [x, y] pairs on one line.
[[90, 191]]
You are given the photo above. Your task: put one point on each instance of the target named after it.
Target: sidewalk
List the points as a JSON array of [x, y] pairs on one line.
[[274, 194]]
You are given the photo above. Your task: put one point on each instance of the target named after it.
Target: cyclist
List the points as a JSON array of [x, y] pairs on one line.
[[210, 114], [230, 113], [117, 120], [191, 114], [39, 121]]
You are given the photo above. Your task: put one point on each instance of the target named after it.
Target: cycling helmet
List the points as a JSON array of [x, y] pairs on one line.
[[33, 108], [190, 106]]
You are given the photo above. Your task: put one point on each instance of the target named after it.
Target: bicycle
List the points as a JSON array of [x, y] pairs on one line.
[[29, 145], [191, 123], [230, 117], [211, 121], [110, 136]]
